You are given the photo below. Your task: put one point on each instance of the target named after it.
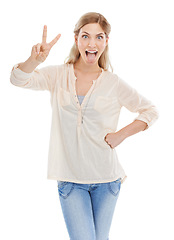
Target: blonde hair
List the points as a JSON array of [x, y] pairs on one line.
[[91, 17]]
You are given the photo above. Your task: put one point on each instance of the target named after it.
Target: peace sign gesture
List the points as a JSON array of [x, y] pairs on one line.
[[40, 51]]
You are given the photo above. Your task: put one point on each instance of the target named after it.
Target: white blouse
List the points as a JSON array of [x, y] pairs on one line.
[[77, 150]]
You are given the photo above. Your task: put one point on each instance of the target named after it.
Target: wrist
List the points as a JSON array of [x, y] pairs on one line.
[[29, 65], [32, 61]]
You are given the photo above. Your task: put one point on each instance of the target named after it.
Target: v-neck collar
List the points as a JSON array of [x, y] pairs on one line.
[[75, 78], [94, 84]]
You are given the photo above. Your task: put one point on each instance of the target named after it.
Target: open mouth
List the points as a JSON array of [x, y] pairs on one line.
[[91, 52], [91, 55]]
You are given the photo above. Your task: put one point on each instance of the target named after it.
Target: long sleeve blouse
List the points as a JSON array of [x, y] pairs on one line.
[[77, 149]]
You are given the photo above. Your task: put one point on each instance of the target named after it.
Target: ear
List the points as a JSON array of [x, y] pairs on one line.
[[107, 39], [75, 38]]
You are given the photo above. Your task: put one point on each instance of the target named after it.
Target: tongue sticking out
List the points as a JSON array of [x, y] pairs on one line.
[[91, 57]]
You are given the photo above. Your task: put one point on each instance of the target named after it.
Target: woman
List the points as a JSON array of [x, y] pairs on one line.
[[86, 100]]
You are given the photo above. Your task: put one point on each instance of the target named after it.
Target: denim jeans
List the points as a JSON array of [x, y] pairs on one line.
[[88, 208]]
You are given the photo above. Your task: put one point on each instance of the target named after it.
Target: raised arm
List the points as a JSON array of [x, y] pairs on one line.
[[39, 53], [26, 75]]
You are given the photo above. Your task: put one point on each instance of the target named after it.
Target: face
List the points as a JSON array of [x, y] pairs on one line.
[[91, 43]]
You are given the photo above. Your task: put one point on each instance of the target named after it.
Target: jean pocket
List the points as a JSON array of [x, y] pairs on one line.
[[114, 187], [65, 188]]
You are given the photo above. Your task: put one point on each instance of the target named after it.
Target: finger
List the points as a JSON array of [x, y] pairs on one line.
[[44, 36], [42, 57], [54, 40], [105, 137], [38, 48], [35, 49]]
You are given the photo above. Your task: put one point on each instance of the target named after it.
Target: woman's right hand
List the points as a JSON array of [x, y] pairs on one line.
[[40, 51]]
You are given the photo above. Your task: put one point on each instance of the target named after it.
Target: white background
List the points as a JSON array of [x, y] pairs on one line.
[[142, 52]]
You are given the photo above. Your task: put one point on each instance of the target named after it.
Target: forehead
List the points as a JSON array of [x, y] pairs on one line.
[[92, 28]]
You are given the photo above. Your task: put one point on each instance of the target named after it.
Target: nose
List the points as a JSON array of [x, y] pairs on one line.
[[91, 43]]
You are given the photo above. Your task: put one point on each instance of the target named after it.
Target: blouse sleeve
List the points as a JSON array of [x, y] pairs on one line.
[[39, 79], [135, 102]]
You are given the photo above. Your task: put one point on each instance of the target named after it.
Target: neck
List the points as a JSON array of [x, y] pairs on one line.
[[81, 65]]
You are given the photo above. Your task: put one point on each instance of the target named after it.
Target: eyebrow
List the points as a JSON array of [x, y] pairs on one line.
[[96, 34]]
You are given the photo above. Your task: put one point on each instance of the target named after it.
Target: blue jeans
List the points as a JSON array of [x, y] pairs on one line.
[[88, 208]]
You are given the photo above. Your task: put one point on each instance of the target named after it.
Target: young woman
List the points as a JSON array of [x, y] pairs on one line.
[[86, 100]]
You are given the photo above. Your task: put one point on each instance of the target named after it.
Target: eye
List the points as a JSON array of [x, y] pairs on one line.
[[100, 37], [84, 36]]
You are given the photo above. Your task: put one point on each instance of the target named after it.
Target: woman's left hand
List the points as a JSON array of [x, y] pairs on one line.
[[114, 139]]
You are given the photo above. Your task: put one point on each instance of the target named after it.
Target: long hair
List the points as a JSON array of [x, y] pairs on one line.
[[91, 17]]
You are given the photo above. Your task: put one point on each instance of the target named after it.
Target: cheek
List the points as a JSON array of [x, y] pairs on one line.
[[81, 45], [101, 50], [102, 46]]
